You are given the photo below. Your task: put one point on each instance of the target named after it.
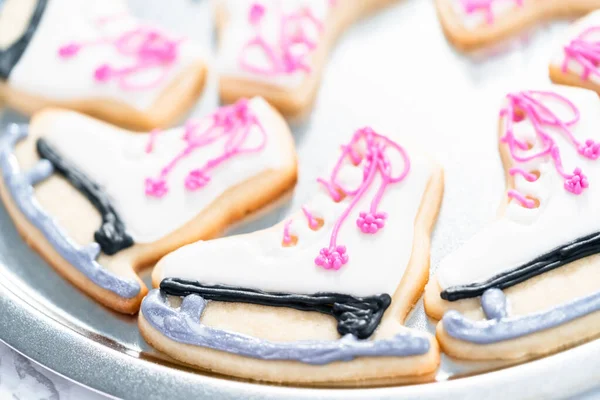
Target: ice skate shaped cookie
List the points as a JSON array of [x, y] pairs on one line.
[[320, 298], [99, 202], [473, 24], [525, 285], [577, 61], [94, 57], [278, 48]]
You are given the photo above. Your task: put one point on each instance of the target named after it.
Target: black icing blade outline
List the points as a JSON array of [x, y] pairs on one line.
[[359, 316], [111, 236], [577, 249]]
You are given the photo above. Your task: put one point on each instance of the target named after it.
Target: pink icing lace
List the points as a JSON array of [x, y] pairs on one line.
[[150, 145], [231, 124], [585, 52], [375, 162], [529, 105], [285, 57], [287, 236], [472, 6], [313, 223], [147, 46]]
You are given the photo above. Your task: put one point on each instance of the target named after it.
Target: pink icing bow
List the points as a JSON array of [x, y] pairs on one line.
[[375, 163]]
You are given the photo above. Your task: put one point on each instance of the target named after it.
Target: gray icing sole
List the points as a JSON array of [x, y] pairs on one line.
[[183, 325], [499, 327], [19, 185]]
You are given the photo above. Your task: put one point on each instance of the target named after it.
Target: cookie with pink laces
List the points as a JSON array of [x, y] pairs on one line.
[[524, 286], [95, 57], [320, 298], [278, 48], [473, 24], [100, 203]]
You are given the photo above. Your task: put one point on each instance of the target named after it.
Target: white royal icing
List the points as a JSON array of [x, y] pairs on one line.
[[260, 261], [117, 160], [574, 67], [42, 72], [238, 31], [522, 234]]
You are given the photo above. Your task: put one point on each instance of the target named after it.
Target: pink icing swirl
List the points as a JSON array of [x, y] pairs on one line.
[[530, 105], [293, 43], [148, 47], [231, 125], [375, 163], [485, 6]]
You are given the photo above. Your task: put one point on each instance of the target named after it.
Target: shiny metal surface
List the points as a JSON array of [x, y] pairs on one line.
[[393, 70]]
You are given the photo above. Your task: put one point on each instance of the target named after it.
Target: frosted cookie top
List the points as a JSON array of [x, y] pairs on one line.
[[97, 50], [354, 237], [272, 40], [158, 182], [553, 140]]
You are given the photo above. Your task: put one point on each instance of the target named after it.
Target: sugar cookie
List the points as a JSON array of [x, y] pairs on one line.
[[278, 48], [526, 285], [93, 57], [472, 24], [321, 297], [99, 202]]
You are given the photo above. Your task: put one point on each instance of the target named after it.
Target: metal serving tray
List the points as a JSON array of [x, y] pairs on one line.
[[393, 70]]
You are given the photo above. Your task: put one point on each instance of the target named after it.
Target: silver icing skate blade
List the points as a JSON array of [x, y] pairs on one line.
[[19, 185], [183, 325], [500, 327]]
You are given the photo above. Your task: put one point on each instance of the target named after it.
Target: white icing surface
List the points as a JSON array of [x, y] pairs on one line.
[[41, 71], [117, 160], [523, 234], [258, 260], [473, 20], [240, 31], [590, 20]]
